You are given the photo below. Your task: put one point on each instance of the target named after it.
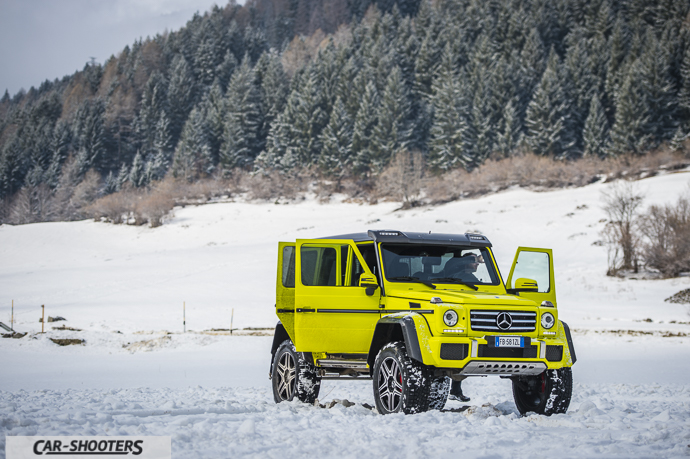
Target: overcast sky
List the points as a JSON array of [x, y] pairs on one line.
[[48, 39]]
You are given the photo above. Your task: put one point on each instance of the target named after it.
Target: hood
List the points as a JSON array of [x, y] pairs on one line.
[[463, 297]]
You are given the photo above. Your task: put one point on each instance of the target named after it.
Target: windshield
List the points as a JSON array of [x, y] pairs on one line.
[[438, 264]]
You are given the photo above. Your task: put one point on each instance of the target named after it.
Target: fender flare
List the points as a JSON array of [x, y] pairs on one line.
[[566, 329], [279, 336], [395, 328]]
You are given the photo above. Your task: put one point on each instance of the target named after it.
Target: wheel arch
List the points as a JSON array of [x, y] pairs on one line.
[[279, 336], [395, 328], [569, 339]]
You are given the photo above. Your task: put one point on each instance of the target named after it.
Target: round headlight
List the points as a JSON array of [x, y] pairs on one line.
[[547, 320], [450, 318]]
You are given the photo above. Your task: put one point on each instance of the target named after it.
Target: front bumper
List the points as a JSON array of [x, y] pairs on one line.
[[478, 356]]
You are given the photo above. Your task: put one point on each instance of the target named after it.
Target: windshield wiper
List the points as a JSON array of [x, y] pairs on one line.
[[413, 279], [452, 280]]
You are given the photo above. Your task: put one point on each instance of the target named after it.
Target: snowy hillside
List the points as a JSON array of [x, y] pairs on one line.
[[124, 288]]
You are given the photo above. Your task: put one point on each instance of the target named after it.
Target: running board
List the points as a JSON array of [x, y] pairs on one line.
[[353, 364]]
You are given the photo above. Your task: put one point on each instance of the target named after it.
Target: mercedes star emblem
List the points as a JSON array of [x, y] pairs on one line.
[[504, 321]]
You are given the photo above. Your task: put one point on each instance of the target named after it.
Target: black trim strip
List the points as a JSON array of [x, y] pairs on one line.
[[305, 310], [419, 311], [351, 311], [284, 311]]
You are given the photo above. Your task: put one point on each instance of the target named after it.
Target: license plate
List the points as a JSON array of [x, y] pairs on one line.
[[510, 341]]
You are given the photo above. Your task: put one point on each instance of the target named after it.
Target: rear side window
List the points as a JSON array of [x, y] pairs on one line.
[[319, 266], [288, 267]]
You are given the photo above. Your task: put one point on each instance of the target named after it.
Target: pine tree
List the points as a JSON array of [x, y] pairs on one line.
[[243, 119], [274, 91], [11, 176], [425, 65], [595, 134], [110, 184], [684, 93], [225, 69], [122, 176], [510, 136], [154, 101], [336, 139], [294, 139], [658, 91], [363, 130], [579, 86], [136, 173], [90, 136], [214, 108], [449, 140], [548, 115], [628, 131], [618, 51], [393, 131], [180, 95], [162, 141], [192, 157], [205, 61]]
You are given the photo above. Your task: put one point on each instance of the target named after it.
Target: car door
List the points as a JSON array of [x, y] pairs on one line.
[[285, 286], [533, 264], [333, 313]]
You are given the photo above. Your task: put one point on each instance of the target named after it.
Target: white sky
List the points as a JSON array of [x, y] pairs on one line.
[[48, 39]]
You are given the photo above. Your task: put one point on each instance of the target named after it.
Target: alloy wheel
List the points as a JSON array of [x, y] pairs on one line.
[[390, 384], [286, 376]]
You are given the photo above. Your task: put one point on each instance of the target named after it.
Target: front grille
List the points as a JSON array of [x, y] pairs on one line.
[[520, 321], [528, 352], [554, 353], [453, 351]]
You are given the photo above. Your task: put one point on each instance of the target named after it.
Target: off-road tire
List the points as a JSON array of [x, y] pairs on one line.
[[438, 392], [292, 376], [548, 393], [400, 383]]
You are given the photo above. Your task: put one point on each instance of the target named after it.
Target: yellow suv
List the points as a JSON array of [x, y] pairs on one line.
[[413, 311]]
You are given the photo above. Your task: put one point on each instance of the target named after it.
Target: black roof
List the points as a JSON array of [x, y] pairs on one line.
[[401, 237]]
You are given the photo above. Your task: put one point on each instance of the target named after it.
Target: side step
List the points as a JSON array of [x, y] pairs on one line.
[[333, 363], [343, 369]]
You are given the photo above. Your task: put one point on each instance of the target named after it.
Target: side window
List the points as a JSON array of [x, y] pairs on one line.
[[356, 269], [369, 254], [288, 267], [533, 265], [319, 266], [310, 257]]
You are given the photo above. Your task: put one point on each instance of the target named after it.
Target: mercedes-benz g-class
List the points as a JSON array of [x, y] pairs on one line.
[[413, 311]]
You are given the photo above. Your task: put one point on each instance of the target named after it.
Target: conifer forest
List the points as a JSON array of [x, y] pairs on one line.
[[342, 86]]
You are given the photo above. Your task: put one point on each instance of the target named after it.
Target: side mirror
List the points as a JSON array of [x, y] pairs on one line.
[[369, 283], [524, 285]]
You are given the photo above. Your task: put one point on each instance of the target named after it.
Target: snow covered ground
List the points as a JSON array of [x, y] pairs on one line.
[[137, 373]]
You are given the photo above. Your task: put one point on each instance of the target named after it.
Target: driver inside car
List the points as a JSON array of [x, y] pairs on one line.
[[463, 268]]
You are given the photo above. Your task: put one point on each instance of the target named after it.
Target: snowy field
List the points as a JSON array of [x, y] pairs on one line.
[[137, 374]]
